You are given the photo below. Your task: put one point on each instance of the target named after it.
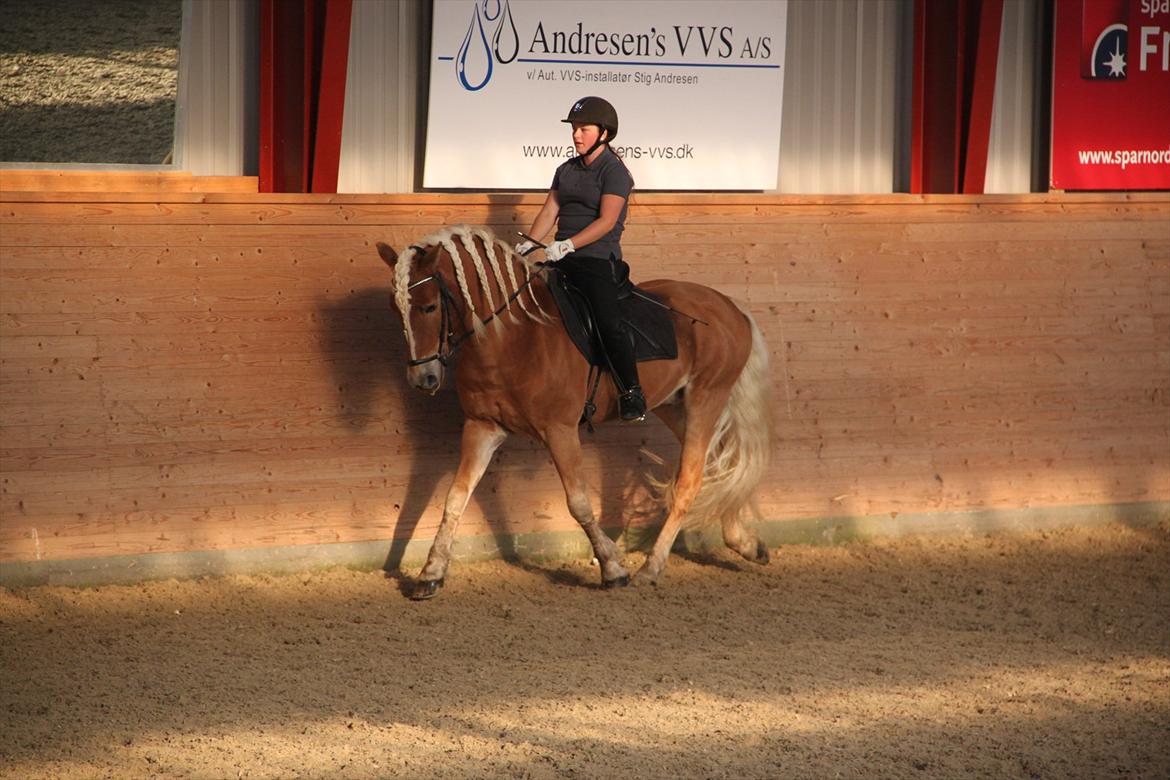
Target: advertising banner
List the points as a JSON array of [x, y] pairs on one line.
[[697, 87], [1111, 95]]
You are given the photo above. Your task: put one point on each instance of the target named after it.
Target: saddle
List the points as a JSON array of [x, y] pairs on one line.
[[644, 315]]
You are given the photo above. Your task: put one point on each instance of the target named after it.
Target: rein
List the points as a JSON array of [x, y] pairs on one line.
[[447, 303]]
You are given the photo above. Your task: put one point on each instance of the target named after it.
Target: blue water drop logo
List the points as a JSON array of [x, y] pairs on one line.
[[475, 46], [506, 39]]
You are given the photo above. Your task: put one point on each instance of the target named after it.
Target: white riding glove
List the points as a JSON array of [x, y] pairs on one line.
[[558, 249], [524, 247]]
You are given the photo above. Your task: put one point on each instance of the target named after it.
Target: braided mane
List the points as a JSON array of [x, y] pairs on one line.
[[502, 280]]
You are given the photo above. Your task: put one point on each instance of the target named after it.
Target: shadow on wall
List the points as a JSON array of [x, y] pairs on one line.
[[372, 392], [372, 395]]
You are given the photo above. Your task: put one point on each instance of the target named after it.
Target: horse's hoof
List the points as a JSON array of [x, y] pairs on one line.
[[644, 577], [426, 589], [616, 582], [762, 556]]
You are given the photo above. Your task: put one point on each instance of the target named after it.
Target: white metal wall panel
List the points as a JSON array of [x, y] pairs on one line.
[[1009, 151], [845, 114], [383, 95], [841, 96], [216, 130]]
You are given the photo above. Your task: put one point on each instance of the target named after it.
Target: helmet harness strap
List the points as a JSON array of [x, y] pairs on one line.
[[600, 140]]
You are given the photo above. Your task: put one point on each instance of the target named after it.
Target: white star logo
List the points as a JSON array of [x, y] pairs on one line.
[[1106, 64], [1117, 61]]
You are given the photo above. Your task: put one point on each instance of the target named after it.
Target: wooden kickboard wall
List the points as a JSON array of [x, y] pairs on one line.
[[186, 371]]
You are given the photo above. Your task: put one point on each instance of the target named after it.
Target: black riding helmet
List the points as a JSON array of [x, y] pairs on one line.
[[593, 110]]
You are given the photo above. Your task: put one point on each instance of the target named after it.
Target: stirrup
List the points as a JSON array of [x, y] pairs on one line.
[[632, 405]]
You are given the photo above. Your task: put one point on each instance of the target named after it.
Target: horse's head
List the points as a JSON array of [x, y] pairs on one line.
[[428, 311]]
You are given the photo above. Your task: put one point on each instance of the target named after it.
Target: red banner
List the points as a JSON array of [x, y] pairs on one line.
[[1111, 95]]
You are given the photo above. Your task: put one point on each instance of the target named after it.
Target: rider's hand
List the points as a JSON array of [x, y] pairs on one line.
[[558, 249], [524, 247]]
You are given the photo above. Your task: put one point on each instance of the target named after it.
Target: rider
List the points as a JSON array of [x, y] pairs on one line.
[[587, 201]]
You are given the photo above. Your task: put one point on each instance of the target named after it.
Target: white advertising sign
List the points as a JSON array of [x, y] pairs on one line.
[[697, 86]]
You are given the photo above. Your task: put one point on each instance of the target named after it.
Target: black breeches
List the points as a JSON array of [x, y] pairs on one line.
[[601, 281]]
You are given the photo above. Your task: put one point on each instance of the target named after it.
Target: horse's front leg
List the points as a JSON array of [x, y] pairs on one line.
[[481, 438], [564, 443]]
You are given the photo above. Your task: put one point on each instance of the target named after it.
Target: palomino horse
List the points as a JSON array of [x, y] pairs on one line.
[[519, 373]]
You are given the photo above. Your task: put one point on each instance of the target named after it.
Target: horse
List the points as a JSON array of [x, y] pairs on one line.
[[463, 289]]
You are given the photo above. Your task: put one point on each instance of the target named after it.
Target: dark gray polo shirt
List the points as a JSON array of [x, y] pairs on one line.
[[579, 189]]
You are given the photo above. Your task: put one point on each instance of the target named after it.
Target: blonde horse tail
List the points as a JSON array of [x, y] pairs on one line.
[[741, 446]]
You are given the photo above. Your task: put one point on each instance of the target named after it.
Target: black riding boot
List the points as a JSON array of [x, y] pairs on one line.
[[620, 348], [632, 405]]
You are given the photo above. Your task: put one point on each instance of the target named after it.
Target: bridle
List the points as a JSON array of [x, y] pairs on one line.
[[447, 305]]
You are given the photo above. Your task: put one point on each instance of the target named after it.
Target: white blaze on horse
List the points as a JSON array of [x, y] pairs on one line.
[[518, 372]]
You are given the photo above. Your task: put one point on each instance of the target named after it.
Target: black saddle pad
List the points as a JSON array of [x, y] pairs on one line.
[[643, 313]]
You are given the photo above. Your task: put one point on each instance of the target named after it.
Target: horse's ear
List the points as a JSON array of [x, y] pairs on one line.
[[388, 254]]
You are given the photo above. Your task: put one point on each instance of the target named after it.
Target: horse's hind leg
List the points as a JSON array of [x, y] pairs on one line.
[[745, 541], [696, 435], [565, 446], [736, 535], [480, 441], [686, 487]]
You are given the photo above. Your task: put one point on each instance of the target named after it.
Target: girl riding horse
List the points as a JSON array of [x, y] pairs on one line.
[[518, 372], [588, 202]]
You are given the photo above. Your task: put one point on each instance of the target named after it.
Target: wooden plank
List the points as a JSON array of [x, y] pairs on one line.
[[38, 181], [924, 480], [216, 294], [301, 523], [800, 320], [424, 448], [35, 426], [83, 458], [236, 423], [957, 312], [212, 375], [395, 406], [799, 459], [812, 259], [713, 213], [237, 527], [682, 199], [982, 375], [48, 347], [369, 313], [377, 333], [365, 355], [353, 237], [857, 261]]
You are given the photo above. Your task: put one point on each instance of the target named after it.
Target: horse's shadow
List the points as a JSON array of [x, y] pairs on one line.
[[368, 359]]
